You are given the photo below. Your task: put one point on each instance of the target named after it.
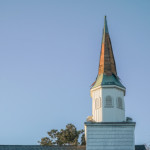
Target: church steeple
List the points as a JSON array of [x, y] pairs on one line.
[[107, 72], [107, 125], [107, 91], [107, 62]]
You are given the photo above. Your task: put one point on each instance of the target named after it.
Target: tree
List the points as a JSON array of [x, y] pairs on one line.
[[46, 141], [68, 136], [83, 142]]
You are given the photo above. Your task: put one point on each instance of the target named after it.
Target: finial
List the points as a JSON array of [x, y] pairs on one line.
[[105, 25]]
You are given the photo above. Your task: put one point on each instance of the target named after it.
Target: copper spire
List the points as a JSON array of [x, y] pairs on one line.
[[107, 64]]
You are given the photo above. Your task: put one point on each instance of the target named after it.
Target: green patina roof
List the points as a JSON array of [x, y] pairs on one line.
[[103, 79]]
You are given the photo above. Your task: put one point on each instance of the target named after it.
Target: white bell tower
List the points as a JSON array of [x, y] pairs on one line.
[[108, 103], [107, 128]]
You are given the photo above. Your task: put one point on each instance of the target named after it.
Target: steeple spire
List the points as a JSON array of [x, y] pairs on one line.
[[107, 62], [107, 73]]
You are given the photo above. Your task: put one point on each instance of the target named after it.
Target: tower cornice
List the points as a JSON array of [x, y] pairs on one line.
[[108, 86]]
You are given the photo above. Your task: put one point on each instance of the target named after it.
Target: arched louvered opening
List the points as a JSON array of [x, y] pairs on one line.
[[108, 101], [119, 103], [98, 103]]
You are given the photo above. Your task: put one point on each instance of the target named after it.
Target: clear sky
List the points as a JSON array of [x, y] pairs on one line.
[[49, 56]]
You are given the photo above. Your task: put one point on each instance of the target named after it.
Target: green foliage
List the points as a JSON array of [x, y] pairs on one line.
[[83, 142], [67, 136], [45, 141]]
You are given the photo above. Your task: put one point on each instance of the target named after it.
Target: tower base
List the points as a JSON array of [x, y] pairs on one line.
[[110, 135]]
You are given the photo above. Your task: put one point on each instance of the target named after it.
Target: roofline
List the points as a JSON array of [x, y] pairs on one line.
[[110, 123]]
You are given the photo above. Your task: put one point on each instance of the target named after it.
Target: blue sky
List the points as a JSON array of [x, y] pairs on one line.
[[49, 56]]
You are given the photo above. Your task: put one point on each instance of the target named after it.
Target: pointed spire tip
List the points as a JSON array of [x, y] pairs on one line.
[[105, 25]]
